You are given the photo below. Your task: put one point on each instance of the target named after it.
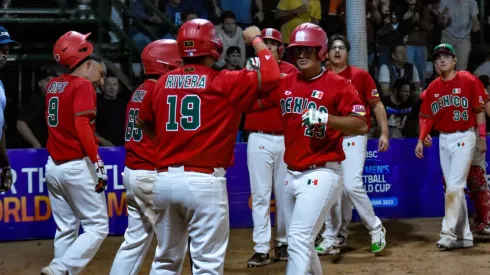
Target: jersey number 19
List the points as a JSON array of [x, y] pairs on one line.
[[190, 113]]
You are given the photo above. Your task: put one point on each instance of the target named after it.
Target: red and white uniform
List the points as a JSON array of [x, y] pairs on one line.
[[140, 150], [314, 146], [138, 179], [313, 155], [196, 112], [266, 167], [352, 167], [70, 173], [452, 105], [187, 106], [66, 97]]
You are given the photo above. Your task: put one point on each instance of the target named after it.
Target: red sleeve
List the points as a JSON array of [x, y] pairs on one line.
[[243, 87], [84, 99], [349, 103], [422, 95], [86, 137], [425, 110], [370, 91], [146, 113], [262, 104], [481, 91], [425, 126], [476, 95]]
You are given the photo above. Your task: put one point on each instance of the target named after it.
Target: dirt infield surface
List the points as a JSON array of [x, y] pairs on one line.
[[411, 250]]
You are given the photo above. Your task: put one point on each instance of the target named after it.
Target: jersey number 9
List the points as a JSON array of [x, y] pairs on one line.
[[190, 113], [53, 105]]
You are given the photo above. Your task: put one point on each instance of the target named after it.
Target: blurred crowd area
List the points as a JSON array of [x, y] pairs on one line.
[[400, 37]]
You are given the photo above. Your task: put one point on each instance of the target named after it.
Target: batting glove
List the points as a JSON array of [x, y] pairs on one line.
[[5, 179], [314, 117], [253, 64], [101, 175]]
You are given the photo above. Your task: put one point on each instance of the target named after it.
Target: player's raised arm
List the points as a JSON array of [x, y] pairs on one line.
[[261, 75]]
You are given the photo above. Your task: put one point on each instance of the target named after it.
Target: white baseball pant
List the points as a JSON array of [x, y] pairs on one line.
[[456, 152], [194, 205], [353, 194], [141, 221], [266, 167], [71, 188], [308, 196]]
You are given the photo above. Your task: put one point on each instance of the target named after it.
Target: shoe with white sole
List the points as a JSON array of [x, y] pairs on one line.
[[378, 241], [445, 244], [326, 247], [341, 241], [47, 271]]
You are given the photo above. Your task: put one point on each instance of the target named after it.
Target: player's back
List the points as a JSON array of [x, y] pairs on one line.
[[140, 150], [198, 112], [67, 96]]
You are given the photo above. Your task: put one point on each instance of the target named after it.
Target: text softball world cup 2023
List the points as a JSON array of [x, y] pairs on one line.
[[375, 178]]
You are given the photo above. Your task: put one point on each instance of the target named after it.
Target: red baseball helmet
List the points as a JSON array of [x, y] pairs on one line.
[[197, 37], [310, 35], [275, 35], [71, 48], [160, 56]]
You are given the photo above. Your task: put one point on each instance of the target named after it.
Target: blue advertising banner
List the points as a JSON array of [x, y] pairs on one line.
[[399, 185]]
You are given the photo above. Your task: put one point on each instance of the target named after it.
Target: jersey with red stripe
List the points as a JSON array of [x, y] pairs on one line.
[[196, 112], [366, 88], [140, 150], [453, 104], [68, 96], [328, 92], [268, 121]]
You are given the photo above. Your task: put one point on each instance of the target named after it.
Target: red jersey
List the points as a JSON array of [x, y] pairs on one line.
[[366, 88], [268, 121], [68, 96], [314, 145], [453, 104], [140, 150], [196, 111]]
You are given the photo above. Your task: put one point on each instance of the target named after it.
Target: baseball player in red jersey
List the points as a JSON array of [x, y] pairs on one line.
[[197, 112], [318, 107], [453, 105], [158, 58], [75, 174], [477, 184], [266, 167], [335, 234]]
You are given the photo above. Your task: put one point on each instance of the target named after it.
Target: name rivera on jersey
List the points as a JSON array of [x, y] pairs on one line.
[[447, 101], [188, 81]]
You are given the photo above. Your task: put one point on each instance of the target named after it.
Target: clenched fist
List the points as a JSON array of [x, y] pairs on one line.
[[250, 33]]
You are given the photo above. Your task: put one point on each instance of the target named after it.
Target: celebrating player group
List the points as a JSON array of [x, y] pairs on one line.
[[308, 126]]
